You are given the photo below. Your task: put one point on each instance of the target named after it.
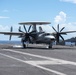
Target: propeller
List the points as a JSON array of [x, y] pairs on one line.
[[27, 34], [11, 29], [58, 33]]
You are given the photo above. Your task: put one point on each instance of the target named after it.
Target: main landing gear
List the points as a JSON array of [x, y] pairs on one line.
[[50, 46], [23, 43]]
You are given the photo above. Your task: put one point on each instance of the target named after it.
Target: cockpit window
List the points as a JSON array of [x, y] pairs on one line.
[[46, 34]]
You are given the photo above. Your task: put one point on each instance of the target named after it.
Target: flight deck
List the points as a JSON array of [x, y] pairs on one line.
[[37, 60]]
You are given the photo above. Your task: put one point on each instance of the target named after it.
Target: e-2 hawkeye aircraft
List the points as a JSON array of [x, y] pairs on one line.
[[36, 37]]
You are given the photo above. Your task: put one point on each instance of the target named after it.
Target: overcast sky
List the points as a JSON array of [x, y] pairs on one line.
[[61, 12]]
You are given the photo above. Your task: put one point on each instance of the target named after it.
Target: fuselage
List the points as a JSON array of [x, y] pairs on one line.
[[41, 36], [45, 38]]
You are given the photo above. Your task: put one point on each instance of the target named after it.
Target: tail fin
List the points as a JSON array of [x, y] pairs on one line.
[[40, 29]]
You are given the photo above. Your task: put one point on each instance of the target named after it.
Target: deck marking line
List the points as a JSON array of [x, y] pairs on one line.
[[50, 70], [48, 58]]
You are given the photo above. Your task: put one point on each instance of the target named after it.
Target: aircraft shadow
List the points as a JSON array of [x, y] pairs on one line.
[[42, 48], [39, 48]]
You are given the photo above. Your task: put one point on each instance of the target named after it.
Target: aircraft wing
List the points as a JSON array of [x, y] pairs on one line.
[[54, 33], [12, 33], [67, 32]]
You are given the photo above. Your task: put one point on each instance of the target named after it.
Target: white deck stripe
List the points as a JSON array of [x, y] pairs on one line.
[[50, 70], [48, 58]]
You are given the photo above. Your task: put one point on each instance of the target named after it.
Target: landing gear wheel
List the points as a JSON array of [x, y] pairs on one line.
[[50, 46], [24, 45]]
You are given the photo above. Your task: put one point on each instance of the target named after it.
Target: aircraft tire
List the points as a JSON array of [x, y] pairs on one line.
[[24, 45], [50, 46]]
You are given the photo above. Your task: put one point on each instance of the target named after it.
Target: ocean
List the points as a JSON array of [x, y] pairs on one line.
[[10, 42]]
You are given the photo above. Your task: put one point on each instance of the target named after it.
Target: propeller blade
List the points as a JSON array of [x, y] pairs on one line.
[[20, 29], [61, 37], [10, 37], [62, 29], [11, 29], [27, 37], [25, 28], [29, 28], [58, 27], [57, 37], [54, 29]]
